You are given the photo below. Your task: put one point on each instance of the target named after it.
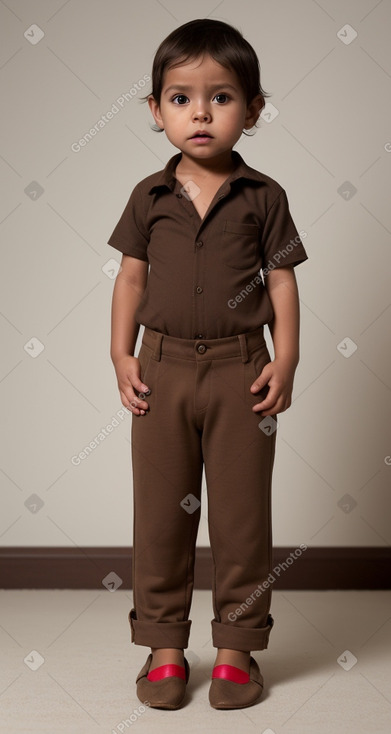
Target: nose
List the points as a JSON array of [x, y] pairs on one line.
[[201, 113]]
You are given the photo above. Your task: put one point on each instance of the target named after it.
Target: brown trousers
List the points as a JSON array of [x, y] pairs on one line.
[[200, 413]]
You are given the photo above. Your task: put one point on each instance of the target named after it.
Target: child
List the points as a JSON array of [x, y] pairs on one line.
[[203, 389]]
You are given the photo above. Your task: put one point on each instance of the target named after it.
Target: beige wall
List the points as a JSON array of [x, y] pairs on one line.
[[332, 126]]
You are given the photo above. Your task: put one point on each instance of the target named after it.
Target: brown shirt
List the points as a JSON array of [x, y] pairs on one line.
[[204, 278]]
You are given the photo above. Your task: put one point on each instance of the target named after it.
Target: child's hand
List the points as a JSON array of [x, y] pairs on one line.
[[279, 375], [127, 369]]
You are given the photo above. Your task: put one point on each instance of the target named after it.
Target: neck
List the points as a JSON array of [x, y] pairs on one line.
[[221, 165]]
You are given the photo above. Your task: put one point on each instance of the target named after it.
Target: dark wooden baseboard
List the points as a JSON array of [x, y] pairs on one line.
[[86, 568]]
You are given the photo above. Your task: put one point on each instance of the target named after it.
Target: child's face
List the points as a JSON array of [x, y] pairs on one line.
[[203, 95]]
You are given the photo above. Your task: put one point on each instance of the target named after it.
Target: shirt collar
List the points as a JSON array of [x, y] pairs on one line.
[[166, 177]]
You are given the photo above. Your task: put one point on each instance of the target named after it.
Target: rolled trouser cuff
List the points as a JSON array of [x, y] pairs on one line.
[[241, 638], [159, 634]]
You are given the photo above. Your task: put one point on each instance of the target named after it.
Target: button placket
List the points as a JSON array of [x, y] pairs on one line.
[[198, 251]]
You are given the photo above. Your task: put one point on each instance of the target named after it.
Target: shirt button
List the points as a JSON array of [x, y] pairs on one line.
[[200, 243], [199, 336], [179, 196], [199, 289], [201, 348]]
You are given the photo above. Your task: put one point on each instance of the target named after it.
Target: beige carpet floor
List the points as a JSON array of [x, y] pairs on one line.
[[68, 666]]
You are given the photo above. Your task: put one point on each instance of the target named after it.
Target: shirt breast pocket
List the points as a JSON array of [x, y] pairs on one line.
[[240, 244]]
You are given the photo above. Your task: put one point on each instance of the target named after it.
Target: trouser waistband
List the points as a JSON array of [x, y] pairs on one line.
[[204, 349]]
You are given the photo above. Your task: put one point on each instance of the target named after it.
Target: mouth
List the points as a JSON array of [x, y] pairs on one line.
[[200, 134]]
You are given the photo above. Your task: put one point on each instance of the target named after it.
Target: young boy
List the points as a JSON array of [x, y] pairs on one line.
[[206, 225]]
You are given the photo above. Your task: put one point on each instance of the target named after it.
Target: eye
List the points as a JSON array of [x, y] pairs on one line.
[[180, 97], [225, 97]]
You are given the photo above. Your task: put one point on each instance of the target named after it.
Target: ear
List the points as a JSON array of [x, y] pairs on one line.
[[253, 111], [155, 109]]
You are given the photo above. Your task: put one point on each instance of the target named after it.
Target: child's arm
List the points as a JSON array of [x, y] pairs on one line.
[[281, 286], [128, 289]]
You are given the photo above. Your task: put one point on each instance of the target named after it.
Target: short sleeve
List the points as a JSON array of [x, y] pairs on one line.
[[281, 242], [130, 235]]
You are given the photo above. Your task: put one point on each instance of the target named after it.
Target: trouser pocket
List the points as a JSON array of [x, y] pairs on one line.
[[144, 357], [251, 371]]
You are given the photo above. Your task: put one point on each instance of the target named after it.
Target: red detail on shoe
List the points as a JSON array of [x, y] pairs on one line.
[[166, 671], [230, 672]]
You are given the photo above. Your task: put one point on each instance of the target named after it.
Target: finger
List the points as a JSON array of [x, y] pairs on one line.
[[279, 406], [269, 403], [139, 400], [262, 380], [258, 385], [272, 411], [128, 402], [134, 404], [141, 387]]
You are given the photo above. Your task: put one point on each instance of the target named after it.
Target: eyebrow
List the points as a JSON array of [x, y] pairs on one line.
[[188, 87]]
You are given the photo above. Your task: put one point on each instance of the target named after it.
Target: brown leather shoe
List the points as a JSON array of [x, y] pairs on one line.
[[165, 686], [233, 688]]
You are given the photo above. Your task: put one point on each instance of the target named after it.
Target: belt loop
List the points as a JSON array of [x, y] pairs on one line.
[[158, 346], [243, 347]]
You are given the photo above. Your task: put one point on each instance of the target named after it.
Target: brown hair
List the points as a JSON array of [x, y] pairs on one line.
[[224, 43]]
